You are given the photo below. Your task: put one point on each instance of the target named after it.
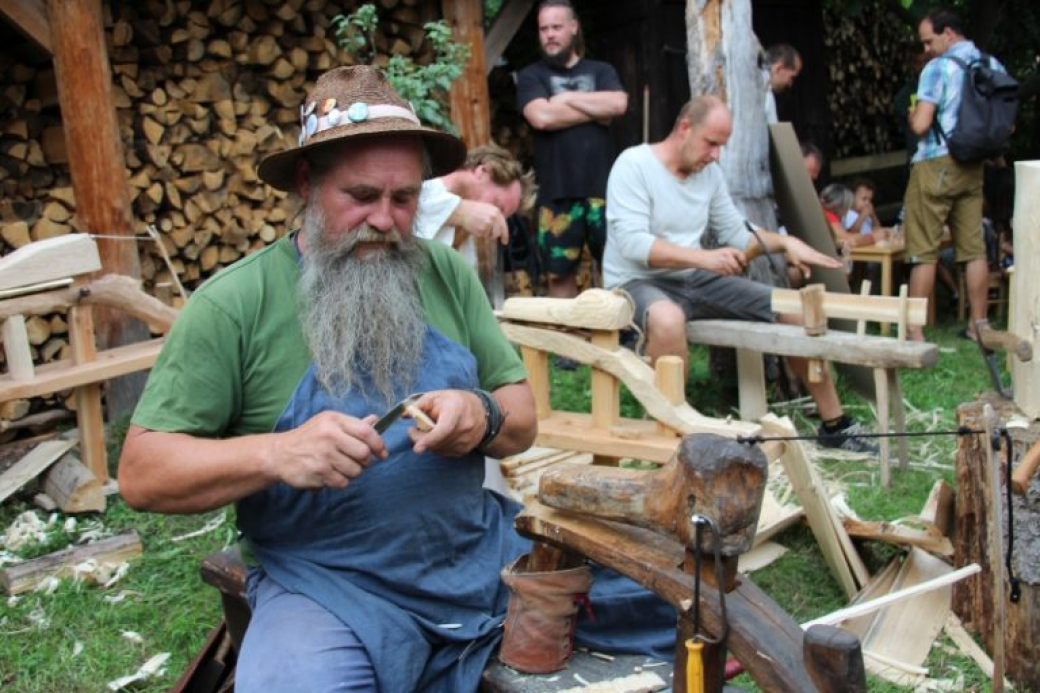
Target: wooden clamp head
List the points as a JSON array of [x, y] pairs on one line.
[[709, 475]]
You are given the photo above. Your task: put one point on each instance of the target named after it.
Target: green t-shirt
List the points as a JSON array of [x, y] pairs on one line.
[[236, 352]]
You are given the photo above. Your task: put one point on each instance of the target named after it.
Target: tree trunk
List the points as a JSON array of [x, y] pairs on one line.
[[722, 61]]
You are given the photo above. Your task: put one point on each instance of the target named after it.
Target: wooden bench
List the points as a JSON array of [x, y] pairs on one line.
[[885, 355]]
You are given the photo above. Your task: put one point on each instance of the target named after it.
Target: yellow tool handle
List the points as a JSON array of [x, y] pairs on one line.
[[694, 666]]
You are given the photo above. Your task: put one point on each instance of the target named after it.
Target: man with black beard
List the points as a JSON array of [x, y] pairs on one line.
[[570, 102], [374, 556]]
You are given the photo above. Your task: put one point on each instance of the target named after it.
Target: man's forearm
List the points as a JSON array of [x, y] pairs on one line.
[[179, 473], [597, 105], [520, 425]]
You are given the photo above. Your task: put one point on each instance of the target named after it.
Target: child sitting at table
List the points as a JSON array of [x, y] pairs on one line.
[[862, 218]]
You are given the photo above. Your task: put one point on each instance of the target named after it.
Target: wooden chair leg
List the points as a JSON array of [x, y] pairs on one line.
[[882, 393]]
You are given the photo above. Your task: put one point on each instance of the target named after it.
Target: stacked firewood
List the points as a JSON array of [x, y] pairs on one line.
[[203, 91], [866, 59]]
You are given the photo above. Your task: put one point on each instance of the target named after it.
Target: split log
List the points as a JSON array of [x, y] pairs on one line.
[[975, 511], [73, 487], [26, 576]]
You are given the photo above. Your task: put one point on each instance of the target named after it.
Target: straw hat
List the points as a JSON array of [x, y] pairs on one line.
[[357, 101]]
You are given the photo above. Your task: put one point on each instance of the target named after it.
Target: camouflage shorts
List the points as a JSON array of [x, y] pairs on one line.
[[565, 227]]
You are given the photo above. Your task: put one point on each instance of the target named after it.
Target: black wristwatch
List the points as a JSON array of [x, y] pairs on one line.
[[493, 418]]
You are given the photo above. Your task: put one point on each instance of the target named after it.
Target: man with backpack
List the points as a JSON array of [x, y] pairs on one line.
[[945, 185]]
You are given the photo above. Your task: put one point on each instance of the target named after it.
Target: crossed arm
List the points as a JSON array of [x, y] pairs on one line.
[[570, 108]]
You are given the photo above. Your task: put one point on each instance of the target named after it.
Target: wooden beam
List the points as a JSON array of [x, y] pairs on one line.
[[29, 467], [62, 375], [30, 17], [97, 164], [856, 307], [592, 309], [790, 340], [506, 24], [1025, 313]]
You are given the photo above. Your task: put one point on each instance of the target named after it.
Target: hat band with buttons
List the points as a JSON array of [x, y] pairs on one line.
[[314, 119]]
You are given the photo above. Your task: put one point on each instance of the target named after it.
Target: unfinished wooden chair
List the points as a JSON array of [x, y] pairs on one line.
[[54, 276]]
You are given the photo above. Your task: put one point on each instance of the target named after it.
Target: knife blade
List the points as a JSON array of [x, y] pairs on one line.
[[395, 412]]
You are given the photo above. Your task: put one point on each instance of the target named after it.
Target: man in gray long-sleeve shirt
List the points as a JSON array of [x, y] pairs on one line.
[[661, 198]]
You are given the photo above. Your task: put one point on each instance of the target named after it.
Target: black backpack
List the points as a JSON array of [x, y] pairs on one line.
[[986, 118]]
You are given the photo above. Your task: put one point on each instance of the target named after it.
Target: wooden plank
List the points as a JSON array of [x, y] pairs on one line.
[[775, 518], [48, 260], [800, 208], [26, 576], [836, 346], [906, 633], [856, 307], [63, 375], [507, 22], [575, 431], [760, 556], [30, 16], [593, 309], [938, 508], [16, 348], [30, 466], [900, 535], [1025, 309], [861, 164], [822, 520], [634, 373], [751, 385]]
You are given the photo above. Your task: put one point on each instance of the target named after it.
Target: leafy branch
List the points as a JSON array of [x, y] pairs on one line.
[[426, 87]]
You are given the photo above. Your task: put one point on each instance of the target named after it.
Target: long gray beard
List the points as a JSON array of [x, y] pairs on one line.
[[361, 316]]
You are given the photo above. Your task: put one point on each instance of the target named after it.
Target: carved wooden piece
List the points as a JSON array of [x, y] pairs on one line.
[[835, 660], [29, 467], [635, 374], [710, 475], [113, 291], [16, 348], [48, 260], [594, 309]]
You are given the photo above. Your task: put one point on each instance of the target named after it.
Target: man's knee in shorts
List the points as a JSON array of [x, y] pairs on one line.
[[666, 319]]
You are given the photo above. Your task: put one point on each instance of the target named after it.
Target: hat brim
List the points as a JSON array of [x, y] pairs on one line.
[[447, 152]]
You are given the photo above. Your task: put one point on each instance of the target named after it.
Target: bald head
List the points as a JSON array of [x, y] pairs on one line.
[[697, 110]]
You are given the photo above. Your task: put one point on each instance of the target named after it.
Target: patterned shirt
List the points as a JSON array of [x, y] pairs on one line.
[[941, 83]]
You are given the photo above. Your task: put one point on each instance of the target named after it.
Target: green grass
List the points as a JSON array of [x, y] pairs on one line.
[[173, 611]]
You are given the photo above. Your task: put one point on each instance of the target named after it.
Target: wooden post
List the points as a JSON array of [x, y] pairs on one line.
[[668, 377], [89, 416], [96, 163], [1025, 309], [471, 112], [977, 538]]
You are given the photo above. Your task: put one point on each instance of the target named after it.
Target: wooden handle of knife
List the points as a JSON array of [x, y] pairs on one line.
[[1025, 470]]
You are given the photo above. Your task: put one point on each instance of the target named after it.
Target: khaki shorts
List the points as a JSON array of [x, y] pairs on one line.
[[943, 191]]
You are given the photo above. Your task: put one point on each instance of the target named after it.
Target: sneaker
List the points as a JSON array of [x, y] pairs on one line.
[[565, 364], [847, 439]]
